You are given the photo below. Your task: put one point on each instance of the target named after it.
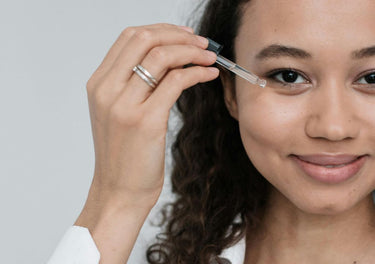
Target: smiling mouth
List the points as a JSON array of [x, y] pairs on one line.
[[330, 169], [329, 159], [335, 165]]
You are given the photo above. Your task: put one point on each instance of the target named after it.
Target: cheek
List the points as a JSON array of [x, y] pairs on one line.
[[271, 127], [270, 123]]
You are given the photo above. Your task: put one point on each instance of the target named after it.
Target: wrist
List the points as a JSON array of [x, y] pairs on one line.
[[96, 213], [114, 228]]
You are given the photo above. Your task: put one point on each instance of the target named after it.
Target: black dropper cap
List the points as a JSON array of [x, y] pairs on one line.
[[214, 46]]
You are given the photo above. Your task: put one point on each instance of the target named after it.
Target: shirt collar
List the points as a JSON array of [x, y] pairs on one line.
[[235, 254]]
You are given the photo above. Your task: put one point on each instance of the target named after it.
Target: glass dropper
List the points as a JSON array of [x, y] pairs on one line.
[[233, 67]]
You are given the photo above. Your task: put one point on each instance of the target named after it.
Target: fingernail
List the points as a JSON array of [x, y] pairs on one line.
[[213, 69], [203, 41], [188, 29], [210, 54]]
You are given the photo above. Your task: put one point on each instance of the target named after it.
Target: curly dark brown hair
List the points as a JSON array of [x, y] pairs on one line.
[[212, 177]]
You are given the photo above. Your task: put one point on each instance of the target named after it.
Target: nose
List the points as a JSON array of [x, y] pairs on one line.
[[332, 114]]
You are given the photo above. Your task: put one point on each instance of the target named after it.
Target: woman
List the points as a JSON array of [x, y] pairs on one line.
[[289, 167]]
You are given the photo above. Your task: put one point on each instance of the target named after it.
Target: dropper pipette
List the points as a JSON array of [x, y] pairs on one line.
[[233, 67]]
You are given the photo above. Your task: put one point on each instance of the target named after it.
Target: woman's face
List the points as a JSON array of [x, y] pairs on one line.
[[330, 107]]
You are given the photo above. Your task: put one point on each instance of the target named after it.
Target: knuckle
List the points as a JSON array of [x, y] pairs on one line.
[[90, 84], [95, 79], [92, 81], [166, 25], [125, 117], [143, 34], [128, 32], [158, 54], [163, 24], [176, 76], [100, 99]]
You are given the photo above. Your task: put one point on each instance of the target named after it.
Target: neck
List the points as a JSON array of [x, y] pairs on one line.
[[288, 235]]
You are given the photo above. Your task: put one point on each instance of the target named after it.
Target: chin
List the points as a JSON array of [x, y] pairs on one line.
[[327, 205]]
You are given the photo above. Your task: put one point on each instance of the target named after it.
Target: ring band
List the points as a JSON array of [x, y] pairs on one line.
[[145, 75]]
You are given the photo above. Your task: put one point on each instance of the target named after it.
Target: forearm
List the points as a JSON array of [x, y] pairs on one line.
[[114, 231]]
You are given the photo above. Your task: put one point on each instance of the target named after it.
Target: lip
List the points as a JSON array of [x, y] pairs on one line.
[[313, 166], [320, 159]]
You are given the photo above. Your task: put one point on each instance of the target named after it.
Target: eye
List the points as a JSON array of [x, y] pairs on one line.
[[287, 76], [367, 79]]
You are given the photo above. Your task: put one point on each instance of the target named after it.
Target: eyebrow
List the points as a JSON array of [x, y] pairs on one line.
[[363, 53], [277, 50]]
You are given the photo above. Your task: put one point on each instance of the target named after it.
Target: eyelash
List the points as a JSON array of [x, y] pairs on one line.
[[276, 72]]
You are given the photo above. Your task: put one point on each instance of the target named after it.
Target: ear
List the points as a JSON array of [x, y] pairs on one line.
[[228, 82]]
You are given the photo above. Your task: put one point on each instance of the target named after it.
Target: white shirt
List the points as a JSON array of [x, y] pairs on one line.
[[78, 247]]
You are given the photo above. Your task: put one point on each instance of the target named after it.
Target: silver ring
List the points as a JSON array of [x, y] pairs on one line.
[[144, 77], [147, 74]]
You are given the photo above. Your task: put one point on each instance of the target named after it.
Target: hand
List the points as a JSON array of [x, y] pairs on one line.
[[129, 119], [129, 124]]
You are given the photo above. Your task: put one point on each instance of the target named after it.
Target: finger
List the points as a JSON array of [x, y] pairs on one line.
[[161, 59], [164, 97], [107, 89], [124, 37], [142, 41]]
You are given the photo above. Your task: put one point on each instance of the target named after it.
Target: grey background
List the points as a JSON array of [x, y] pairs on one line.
[[49, 49]]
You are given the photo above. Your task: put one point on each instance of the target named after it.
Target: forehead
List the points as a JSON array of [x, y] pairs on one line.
[[328, 24]]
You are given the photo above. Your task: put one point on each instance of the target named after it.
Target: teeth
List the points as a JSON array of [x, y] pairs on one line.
[[338, 166], [335, 166]]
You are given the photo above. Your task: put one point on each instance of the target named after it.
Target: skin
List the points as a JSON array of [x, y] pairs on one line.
[[129, 124], [331, 110]]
